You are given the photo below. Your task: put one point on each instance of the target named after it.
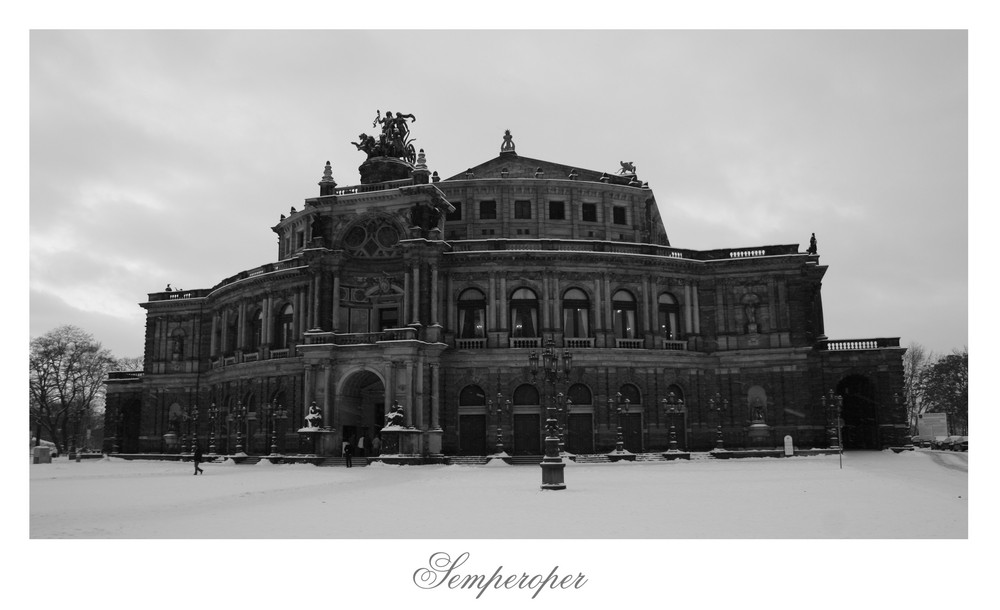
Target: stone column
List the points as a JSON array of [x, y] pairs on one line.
[[435, 317], [688, 308], [413, 406], [336, 302], [435, 397], [241, 325], [327, 398], [502, 303], [416, 293], [213, 346], [390, 386], [546, 302], [314, 303], [405, 314], [697, 317], [419, 393], [307, 391]]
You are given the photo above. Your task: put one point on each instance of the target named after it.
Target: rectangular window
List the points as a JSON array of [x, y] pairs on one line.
[[457, 214], [300, 239], [618, 215], [557, 210], [589, 212], [522, 210], [487, 210]]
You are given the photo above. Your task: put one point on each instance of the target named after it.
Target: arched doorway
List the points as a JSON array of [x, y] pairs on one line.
[[129, 426], [361, 408], [860, 413]]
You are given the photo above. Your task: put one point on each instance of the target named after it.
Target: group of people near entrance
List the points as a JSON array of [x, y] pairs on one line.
[[362, 446]]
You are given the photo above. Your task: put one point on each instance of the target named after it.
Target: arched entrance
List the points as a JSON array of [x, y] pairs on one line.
[[360, 405], [129, 426], [860, 413]]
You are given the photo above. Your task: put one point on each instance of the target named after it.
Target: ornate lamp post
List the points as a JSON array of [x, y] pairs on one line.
[[563, 407], [239, 416], [191, 417], [832, 404], [213, 416], [720, 405], [276, 413], [620, 405], [114, 420], [554, 368], [672, 405], [499, 408]]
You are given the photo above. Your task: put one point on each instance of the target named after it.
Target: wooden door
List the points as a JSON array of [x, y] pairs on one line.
[[472, 434], [527, 434], [580, 438], [632, 432]]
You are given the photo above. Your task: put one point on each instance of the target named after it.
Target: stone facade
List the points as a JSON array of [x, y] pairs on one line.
[[434, 294]]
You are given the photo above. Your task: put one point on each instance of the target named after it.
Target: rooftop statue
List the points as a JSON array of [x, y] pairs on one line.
[[627, 167], [508, 142], [394, 141]]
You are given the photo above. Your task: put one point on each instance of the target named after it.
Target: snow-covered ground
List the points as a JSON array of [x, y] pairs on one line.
[[685, 532], [876, 495]]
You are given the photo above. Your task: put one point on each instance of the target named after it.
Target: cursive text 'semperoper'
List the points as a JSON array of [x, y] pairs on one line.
[[442, 571]]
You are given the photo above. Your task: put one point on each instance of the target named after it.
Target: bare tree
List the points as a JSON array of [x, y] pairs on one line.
[[67, 368], [945, 389], [128, 363], [915, 362]]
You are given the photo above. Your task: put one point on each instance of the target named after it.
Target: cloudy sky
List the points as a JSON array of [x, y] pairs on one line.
[[166, 156]]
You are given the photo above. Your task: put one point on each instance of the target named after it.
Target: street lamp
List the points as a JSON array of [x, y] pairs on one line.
[[239, 416], [554, 368], [191, 417], [499, 408], [620, 405], [721, 405], [563, 407], [213, 414], [672, 405], [114, 420], [276, 413], [832, 404]]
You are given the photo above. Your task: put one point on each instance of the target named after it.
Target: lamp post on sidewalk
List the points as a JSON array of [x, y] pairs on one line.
[[239, 416], [720, 405], [213, 415], [498, 408], [554, 368], [832, 404], [672, 405], [620, 405]]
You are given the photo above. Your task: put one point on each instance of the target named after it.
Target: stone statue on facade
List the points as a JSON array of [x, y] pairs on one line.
[[394, 418], [812, 245], [314, 419], [757, 411], [627, 167], [394, 140]]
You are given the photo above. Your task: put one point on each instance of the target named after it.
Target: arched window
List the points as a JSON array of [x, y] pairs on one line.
[[580, 394], [624, 315], [526, 394], [667, 317], [232, 331], [283, 329], [576, 314], [631, 392], [254, 327], [471, 314], [472, 396], [523, 313]]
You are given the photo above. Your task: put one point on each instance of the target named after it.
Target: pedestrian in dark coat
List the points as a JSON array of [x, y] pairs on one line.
[[197, 459], [348, 452]]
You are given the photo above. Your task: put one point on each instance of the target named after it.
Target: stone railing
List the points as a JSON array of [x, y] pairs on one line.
[[251, 357], [629, 343], [578, 342], [332, 338], [616, 247], [119, 375], [522, 342], [675, 345], [475, 343], [857, 344], [370, 188], [278, 353]]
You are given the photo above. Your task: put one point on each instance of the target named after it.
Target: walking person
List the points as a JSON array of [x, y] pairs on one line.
[[348, 451], [376, 445], [361, 445], [197, 459]]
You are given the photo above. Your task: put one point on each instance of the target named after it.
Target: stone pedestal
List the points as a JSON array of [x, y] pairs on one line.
[[401, 445], [553, 466], [759, 435], [623, 455], [432, 441], [318, 441]]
